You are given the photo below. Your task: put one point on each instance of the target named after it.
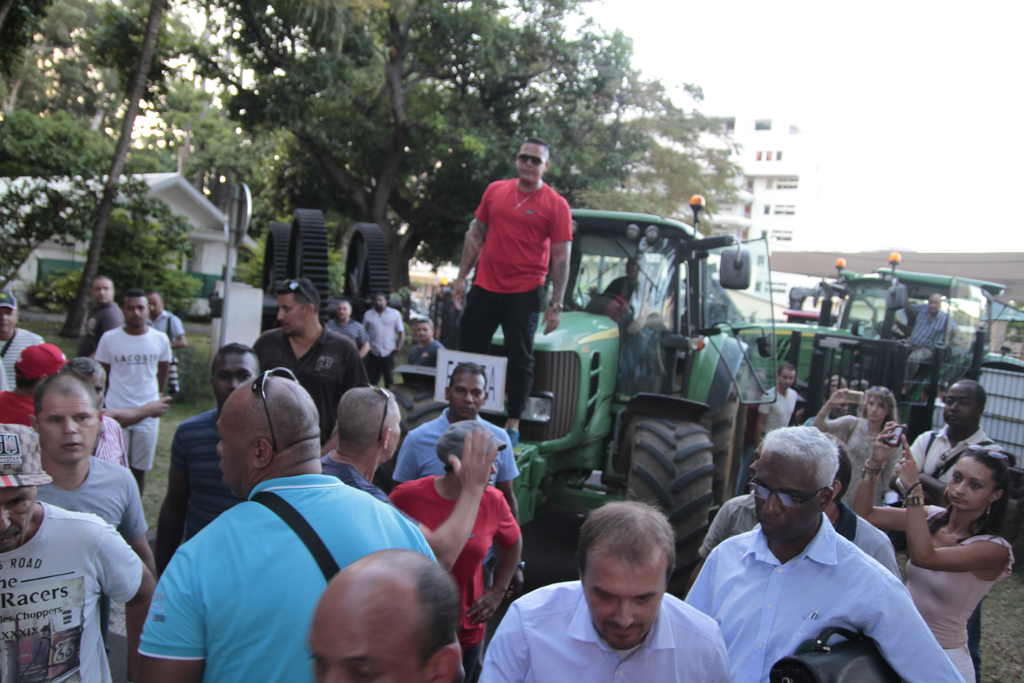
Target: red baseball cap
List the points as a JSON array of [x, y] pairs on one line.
[[41, 360]]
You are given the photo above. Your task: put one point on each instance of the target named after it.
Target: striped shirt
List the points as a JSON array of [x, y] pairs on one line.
[[110, 444], [12, 352], [927, 330], [194, 450]]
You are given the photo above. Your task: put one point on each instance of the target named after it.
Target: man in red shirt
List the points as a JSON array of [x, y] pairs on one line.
[[36, 363], [430, 501], [520, 227]]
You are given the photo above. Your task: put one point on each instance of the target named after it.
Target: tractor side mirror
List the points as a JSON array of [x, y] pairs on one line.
[[896, 297], [734, 269]]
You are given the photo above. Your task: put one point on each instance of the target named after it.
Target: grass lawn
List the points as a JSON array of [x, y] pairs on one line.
[[1002, 622]]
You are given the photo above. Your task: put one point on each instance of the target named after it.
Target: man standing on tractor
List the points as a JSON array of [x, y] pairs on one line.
[[520, 227]]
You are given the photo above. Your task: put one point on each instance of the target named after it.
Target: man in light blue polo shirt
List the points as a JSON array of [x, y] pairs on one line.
[[466, 394], [236, 601]]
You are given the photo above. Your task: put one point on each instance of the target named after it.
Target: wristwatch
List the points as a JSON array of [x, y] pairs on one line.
[[555, 305]]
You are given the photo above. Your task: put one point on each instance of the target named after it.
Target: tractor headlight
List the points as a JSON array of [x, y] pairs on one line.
[[538, 407]]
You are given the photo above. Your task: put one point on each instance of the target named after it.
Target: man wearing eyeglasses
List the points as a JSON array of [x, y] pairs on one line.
[[236, 600], [784, 582], [520, 228], [56, 564], [326, 363]]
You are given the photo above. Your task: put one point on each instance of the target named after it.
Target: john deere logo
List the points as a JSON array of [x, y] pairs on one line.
[[10, 449]]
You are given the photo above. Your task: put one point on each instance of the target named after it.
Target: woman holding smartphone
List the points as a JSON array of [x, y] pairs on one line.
[[877, 407], [956, 554]]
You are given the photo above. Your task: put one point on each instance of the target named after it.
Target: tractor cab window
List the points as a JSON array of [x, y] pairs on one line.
[[631, 282], [864, 313]]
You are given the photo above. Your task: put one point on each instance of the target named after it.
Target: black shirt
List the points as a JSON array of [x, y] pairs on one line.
[[101, 319], [327, 370]]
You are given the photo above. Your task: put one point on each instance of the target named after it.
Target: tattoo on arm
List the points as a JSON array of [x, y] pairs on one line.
[[475, 237], [560, 269]]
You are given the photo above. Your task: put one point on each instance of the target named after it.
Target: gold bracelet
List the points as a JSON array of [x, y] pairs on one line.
[[870, 472], [913, 501]]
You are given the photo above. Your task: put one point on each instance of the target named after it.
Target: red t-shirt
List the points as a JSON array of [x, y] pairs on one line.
[[16, 409], [520, 229], [494, 523]]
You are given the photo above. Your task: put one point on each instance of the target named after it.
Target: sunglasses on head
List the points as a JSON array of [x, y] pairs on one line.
[[259, 387], [530, 159], [387, 402]]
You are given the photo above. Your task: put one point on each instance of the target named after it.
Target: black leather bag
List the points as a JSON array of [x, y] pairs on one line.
[[854, 660]]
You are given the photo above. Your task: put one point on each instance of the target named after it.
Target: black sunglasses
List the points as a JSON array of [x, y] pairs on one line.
[[387, 402], [260, 387], [530, 159], [789, 499]]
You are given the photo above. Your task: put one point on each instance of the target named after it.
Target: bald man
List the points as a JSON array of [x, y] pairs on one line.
[[393, 613], [236, 600]]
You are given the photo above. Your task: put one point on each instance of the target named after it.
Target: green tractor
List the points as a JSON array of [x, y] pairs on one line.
[[862, 335], [639, 398]]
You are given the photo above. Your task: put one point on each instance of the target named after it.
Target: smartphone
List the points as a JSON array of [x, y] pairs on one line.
[[897, 435], [854, 396]]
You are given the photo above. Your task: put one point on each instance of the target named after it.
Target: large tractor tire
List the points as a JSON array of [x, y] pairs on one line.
[[727, 427], [307, 250], [276, 268], [366, 265], [671, 467]]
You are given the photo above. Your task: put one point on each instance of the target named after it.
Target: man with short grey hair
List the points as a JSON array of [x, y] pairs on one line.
[[13, 339], [616, 622], [368, 432], [787, 580]]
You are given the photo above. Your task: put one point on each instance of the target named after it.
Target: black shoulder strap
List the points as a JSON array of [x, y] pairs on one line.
[[302, 529], [3, 353]]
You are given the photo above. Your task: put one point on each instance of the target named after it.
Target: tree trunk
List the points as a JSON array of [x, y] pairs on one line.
[[5, 7], [77, 314]]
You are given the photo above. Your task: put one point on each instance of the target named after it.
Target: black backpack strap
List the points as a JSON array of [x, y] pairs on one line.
[[302, 529]]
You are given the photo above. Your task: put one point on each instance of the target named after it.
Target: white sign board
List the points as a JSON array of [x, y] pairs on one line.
[[494, 367]]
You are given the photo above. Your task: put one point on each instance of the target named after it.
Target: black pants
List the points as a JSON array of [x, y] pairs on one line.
[[517, 314], [379, 366], [471, 663]]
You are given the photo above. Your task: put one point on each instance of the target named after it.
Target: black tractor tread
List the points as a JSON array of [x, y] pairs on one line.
[[670, 466], [684, 480], [275, 254], [688, 452], [664, 460], [366, 266], [307, 252]]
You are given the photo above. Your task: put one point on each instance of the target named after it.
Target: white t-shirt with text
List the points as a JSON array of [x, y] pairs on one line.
[[49, 591], [133, 361]]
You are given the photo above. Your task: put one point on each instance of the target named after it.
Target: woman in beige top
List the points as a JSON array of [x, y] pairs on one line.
[[956, 555], [859, 432]]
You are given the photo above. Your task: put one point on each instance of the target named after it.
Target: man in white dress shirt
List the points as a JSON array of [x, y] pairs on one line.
[[781, 584], [616, 623]]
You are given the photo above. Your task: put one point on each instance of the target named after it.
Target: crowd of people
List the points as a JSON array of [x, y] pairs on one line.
[[278, 555]]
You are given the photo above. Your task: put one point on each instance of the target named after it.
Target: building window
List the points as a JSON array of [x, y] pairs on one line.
[[757, 156], [763, 124], [760, 259], [782, 235], [768, 156], [785, 210], [787, 183], [729, 124], [767, 209], [778, 155]]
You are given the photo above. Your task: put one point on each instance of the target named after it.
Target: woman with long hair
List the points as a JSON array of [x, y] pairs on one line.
[[956, 553], [859, 432]]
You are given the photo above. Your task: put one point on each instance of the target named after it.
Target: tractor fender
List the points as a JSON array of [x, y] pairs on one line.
[[713, 370], [659, 406]]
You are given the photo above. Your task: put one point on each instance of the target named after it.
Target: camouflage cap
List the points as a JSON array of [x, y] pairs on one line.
[[20, 461]]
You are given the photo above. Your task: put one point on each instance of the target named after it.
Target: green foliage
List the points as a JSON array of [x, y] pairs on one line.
[[193, 375], [16, 30], [34, 211], [51, 145], [56, 292], [250, 264], [146, 245]]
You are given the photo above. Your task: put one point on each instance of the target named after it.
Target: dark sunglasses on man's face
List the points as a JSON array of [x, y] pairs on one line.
[[789, 499], [530, 159]]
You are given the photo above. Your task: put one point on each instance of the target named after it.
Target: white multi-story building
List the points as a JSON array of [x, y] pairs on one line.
[[778, 191]]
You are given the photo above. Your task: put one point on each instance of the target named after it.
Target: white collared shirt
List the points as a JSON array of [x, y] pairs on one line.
[[767, 609], [547, 635], [941, 450]]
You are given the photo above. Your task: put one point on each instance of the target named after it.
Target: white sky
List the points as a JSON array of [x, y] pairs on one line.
[[917, 108]]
